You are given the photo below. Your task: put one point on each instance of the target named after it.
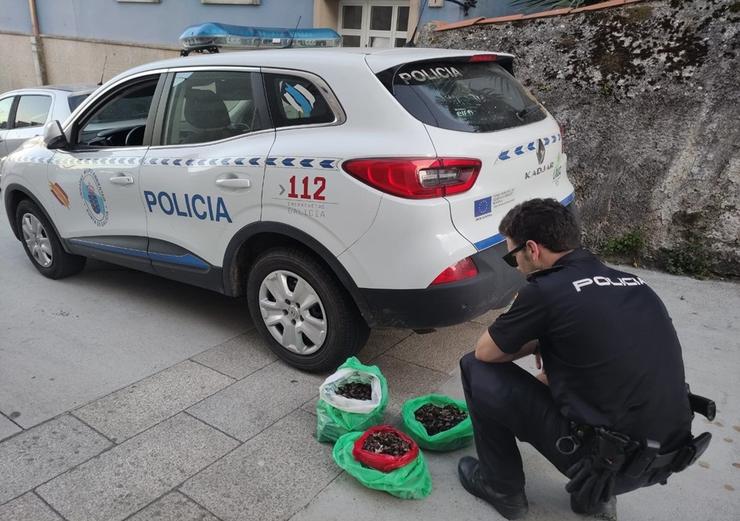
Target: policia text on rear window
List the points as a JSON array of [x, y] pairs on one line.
[[468, 97]]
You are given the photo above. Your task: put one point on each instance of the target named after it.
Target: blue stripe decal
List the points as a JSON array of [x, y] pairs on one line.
[[181, 260], [495, 239], [131, 252], [320, 163], [487, 243]]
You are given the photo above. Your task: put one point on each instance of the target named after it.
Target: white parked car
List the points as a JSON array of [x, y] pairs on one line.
[[24, 112], [337, 189]]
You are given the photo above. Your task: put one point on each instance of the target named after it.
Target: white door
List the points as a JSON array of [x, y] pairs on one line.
[[374, 23], [202, 178], [96, 179]]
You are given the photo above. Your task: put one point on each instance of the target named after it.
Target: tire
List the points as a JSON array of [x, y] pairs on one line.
[[275, 275], [42, 244]]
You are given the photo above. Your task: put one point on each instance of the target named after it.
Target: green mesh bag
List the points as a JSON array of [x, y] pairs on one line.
[[457, 437], [412, 481], [333, 422]]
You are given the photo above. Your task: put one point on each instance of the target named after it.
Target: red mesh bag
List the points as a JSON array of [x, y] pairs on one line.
[[378, 460]]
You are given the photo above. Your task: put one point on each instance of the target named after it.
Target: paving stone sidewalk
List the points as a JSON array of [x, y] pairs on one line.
[[227, 435]]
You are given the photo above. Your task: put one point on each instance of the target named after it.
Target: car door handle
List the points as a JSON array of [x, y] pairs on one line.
[[122, 180], [234, 182]]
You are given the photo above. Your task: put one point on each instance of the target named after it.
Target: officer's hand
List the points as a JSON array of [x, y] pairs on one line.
[[538, 358], [542, 377]]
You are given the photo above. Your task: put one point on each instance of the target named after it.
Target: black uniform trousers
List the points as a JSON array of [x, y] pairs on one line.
[[506, 402]]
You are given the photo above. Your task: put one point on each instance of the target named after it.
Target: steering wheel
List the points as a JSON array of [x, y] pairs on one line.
[[100, 141], [106, 138], [135, 136]]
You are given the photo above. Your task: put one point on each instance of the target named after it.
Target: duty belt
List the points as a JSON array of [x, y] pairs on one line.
[[637, 458]]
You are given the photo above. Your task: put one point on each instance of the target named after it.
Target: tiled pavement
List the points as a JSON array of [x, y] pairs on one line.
[[226, 434]]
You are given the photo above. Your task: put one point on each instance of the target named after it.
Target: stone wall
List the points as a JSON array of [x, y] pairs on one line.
[[650, 98]]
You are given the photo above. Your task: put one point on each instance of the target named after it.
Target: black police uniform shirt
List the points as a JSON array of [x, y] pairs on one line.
[[608, 347]]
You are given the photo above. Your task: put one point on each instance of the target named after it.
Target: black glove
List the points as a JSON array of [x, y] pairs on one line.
[[590, 484], [592, 479]]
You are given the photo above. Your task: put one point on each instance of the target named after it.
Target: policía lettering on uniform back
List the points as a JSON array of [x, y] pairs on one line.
[[606, 281]]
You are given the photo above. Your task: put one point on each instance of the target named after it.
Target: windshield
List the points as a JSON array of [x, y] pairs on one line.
[[469, 97]]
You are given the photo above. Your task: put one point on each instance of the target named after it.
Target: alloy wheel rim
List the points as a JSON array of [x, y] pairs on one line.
[[293, 312], [37, 240]]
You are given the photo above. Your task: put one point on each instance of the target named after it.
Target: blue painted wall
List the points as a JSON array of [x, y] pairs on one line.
[[14, 16], [153, 23], [163, 22]]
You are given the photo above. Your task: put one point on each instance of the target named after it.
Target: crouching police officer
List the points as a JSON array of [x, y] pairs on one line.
[[611, 408]]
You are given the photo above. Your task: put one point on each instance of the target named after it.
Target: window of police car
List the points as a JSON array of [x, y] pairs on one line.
[[296, 101], [213, 105], [120, 121], [464, 96], [32, 111]]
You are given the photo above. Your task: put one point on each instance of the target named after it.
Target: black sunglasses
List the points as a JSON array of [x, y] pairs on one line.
[[510, 257]]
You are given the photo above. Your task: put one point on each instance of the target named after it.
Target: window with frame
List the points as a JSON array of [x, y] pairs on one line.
[[374, 23], [122, 120], [32, 111], [75, 101], [462, 96], [296, 101], [5, 106], [213, 105]]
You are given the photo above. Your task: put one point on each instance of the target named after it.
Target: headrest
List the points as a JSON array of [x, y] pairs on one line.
[[205, 109]]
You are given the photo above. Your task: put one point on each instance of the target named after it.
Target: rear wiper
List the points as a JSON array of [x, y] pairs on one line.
[[526, 110]]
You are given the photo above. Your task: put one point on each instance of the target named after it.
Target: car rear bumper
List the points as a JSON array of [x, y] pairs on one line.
[[447, 304]]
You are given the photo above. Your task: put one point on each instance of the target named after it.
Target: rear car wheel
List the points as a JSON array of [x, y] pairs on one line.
[[42, 245], [308, 319]]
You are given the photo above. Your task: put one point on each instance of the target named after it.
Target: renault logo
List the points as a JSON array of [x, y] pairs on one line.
[[540, 151]]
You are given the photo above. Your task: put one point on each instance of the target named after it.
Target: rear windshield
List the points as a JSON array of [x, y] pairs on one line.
[[469, 97], [74, 101]]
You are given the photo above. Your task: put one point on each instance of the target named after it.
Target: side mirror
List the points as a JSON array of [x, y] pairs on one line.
[[54, 135]]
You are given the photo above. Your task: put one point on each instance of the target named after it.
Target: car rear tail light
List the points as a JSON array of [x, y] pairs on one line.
[[477, 58], [464, 269], [562, 136], [415, 178]]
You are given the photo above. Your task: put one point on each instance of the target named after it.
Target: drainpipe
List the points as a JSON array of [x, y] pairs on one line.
[[37, 47]]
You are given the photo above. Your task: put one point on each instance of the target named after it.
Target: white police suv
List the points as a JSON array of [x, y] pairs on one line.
[[337, 189]]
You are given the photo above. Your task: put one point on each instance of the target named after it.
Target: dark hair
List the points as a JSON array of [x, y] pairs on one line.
[[544, 221]]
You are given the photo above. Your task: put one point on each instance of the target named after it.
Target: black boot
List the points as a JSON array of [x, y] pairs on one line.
[[511, 506], [604, 511]]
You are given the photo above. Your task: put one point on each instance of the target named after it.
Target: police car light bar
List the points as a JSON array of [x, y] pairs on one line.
[[213, 36]]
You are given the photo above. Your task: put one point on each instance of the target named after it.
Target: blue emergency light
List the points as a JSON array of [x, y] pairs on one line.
[[213, 36]]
